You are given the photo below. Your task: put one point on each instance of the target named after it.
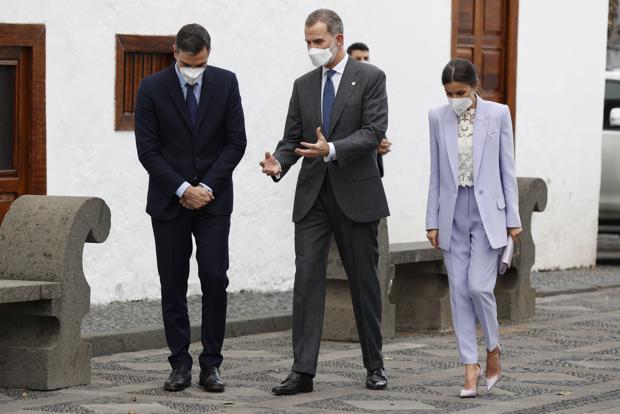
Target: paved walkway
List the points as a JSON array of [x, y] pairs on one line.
[[565, 360], [119, 316]]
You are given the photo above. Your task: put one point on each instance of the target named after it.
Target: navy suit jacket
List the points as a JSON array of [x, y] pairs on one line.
[[172, 151]]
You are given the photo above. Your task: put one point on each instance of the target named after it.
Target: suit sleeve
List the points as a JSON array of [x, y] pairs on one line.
[[285, 151], [508, 171], [432, 205], [149, 146], [235, 142], [374, 123]]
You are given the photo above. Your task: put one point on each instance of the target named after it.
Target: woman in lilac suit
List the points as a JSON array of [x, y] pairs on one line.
[[473, 207]]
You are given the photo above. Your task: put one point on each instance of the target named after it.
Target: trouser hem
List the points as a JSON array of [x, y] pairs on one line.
[[304, 369]]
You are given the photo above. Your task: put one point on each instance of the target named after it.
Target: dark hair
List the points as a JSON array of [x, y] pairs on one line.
[[192, 38], [329, 17], [357, 46], [460, 70]]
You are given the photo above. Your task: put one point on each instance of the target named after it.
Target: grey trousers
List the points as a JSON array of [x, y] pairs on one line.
[[472, 266], [358, 247]]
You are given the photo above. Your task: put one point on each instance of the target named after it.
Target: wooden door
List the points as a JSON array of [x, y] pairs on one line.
[[485, 32], [22, 112]]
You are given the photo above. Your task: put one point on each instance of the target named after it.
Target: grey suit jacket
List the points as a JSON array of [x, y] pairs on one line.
[[359, 122]]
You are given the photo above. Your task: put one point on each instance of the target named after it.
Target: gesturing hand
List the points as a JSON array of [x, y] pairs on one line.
[[270, 166], [384, 147], [319, 149], [195, 198]]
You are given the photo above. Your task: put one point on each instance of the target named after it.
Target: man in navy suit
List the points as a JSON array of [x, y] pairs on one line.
[[190, 136]]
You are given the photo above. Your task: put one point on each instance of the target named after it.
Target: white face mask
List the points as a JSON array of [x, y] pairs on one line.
[[191, 75], [460, 105], [321, 57]]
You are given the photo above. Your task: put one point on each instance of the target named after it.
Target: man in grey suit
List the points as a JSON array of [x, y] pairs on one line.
[[336, 118]]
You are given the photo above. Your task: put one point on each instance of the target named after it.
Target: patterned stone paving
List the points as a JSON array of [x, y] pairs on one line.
[[566, 360]]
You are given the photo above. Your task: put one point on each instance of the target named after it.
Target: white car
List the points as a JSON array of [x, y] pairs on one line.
[[609, 204]]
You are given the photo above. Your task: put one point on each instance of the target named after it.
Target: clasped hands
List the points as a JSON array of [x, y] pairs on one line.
[[271, 167], [196, 197]]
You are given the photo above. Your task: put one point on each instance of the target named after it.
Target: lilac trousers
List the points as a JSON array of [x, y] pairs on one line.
[[472, 266]]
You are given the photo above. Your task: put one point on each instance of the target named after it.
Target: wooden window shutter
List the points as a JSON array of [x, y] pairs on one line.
[[137, 57]]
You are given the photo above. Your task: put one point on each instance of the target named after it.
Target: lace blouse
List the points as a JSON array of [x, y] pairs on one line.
[[466, 148]]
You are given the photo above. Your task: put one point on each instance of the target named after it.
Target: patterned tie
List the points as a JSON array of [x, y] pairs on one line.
[[329, 97], [192, 105]]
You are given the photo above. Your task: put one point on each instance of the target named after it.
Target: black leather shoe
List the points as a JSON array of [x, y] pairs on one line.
[[295, 383], [376, 380], [210, 380], [179, 379]]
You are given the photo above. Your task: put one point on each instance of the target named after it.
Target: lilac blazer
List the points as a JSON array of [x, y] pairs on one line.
[[495, 182]]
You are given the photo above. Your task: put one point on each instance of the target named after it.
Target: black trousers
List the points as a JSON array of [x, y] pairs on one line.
[[173, 243], [358, 247]]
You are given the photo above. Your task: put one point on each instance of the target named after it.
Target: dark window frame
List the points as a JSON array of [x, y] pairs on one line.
[[609, 104]]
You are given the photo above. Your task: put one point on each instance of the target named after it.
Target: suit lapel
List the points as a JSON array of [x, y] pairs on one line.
[[450, 134], [481, 124], [346, 87], [206, 91], [315, 96], [176, 94]]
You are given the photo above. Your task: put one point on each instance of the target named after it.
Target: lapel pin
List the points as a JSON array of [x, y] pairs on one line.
[[353, 83]]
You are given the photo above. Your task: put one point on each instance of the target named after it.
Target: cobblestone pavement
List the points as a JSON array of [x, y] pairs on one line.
[[566, 360], [139, 314]]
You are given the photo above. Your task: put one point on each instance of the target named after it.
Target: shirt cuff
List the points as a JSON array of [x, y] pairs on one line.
[[332, 153], [182, 189], [278, 175], [207, 187]]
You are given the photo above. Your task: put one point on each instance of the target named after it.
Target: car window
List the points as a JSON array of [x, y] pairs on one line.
[[612, 100]]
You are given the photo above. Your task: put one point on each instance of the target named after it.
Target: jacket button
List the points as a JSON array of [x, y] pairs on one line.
[[481, 192]]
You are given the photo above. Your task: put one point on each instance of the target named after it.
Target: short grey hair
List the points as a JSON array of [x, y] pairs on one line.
[[329, 17]]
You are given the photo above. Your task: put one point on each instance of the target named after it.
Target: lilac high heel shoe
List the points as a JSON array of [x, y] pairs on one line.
[[465, 393], [491, 381]]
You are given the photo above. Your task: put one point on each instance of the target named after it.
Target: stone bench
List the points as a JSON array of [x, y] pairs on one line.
[[13, 291], [43, 292], [414, 284]]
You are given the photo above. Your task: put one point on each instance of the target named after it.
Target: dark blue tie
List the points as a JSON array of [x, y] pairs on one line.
[[329, 97], [192, 105]]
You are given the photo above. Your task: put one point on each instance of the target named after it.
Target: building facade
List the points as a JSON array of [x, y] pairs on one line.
[[546, 59]]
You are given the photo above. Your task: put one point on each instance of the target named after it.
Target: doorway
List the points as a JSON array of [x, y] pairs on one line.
[[22, 112], [485, 32]]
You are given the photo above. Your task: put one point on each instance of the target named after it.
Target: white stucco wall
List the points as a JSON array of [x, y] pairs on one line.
[[263, 43], [560, 89]]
